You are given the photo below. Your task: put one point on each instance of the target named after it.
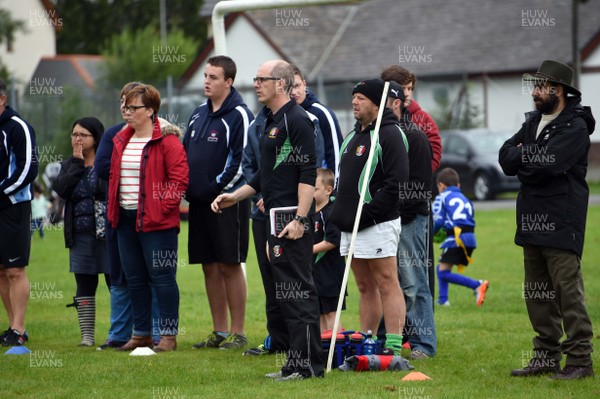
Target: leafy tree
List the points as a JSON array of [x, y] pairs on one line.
[[8, 28], [88, 24], [140, 55], [462, 114]]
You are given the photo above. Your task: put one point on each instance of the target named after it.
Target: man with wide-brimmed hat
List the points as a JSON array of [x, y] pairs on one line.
[[549, 156]]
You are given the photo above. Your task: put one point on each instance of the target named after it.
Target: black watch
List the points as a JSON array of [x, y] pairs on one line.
[[301, 219]]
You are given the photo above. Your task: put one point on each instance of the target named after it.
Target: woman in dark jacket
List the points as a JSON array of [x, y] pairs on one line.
[[79, 185]]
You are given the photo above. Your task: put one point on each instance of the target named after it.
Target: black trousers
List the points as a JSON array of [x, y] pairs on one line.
[[289, 282], [553, 293]]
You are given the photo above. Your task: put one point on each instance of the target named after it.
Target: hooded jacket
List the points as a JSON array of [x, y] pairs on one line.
[[330, 129], [425, 122], [388, 172], [163, 179], [214, 143], [552, 202], [18, 159]]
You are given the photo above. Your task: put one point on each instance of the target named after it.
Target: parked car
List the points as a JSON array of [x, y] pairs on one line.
[[474, 155]]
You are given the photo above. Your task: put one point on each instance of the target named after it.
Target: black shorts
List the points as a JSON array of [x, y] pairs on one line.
[[218, 237], [328, 304], [455, 256], [15, 235]]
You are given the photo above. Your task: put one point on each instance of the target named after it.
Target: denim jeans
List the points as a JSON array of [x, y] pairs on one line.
[[149, 260], [121, 316], [414, 281]]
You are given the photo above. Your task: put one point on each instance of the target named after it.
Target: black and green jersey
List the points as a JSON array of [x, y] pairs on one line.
[[287, 156], [389, 170]]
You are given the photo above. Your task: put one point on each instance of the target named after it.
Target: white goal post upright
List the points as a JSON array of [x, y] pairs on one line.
[[363, 190]]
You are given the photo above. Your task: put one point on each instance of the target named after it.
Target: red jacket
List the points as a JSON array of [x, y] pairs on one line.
[[426, 123], [163, 180]]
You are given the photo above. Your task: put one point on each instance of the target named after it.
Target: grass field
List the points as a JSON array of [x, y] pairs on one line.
[[477, 347]]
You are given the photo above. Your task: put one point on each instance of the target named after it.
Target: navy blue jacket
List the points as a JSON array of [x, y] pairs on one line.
[[214, 142], [18, 159], [104, 152], [330, 128]]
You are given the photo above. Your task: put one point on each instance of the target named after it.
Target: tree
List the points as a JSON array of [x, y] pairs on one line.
[[8, 28], [88, 24], [140, 55], [461, 114]]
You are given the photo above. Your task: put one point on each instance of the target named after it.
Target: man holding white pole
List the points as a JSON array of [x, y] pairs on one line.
[[374, 258]]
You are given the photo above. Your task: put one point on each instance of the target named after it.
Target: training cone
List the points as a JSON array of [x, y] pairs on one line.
[[144, 351], [415, 376], [18, 350]]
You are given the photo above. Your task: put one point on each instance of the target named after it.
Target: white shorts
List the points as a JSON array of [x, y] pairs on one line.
[[379, 241]]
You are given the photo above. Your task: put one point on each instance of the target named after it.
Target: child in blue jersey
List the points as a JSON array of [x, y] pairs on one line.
[[453, 212]]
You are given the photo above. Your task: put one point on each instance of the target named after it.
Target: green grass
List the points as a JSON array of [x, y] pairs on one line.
[[476, 346]]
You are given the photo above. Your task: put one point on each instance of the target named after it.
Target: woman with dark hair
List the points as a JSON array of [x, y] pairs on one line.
[[148, 177], [78, 184]]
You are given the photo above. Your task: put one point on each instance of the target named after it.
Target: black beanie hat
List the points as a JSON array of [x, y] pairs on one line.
[[372, 89], [94, 126]]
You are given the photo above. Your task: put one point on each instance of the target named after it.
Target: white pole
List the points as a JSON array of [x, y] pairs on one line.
[[363, 190], [224, 7]]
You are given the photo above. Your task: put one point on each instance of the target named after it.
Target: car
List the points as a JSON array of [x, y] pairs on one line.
[[474, 155]]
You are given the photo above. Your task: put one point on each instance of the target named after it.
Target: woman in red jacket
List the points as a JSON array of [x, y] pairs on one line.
[[148, 178]]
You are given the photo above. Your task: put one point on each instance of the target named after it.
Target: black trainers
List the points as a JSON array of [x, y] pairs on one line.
[[213, 340], [537, 367], [574, 373], [110, 344], [258, 351], [13, 338]]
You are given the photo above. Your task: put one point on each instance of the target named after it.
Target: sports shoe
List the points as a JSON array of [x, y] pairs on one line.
[[4, 333], [13, 338], [259, 350], [212, 341], [418, 355], [447, 303], [388, 352], [291, 377], [110, 344], [275, 375], [234, 341], [480, 292], [537, 367], [574, 373]]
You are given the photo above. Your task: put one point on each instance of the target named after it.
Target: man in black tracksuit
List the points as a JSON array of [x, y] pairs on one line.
[[549, 156], [286, 178]]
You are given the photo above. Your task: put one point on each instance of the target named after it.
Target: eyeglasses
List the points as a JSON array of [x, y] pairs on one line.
[[262, 79], [132, 108], [81, 136]]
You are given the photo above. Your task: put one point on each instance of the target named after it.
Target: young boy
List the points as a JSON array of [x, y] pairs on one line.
[[453, 212], [328, 269], [39, 210]]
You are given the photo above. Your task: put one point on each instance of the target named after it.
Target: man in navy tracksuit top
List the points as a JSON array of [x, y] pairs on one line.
[[214, 143], [328, 123], [18, 169], [286, 177]]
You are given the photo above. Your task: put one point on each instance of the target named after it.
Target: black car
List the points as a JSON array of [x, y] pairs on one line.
[[474, 155]]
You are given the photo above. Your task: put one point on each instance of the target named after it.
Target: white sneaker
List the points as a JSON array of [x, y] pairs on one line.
[[447, 303], [275, 375], [291, 377]]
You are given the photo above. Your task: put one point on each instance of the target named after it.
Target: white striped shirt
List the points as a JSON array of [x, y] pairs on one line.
[[129, 184]]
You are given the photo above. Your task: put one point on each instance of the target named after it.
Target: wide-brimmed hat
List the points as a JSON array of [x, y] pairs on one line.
[[557, 72]]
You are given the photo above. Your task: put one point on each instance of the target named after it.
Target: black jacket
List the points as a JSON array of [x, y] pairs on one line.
[[389, 172], [72, 170], [552, 202]]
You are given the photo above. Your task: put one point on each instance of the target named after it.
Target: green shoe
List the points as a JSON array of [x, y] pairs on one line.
[[234, 341], [212, 341]]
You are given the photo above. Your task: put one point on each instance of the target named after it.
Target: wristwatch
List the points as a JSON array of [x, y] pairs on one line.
[[301, 219]]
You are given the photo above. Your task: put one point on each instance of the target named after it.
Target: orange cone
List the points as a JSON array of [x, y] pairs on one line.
[[415, 376]]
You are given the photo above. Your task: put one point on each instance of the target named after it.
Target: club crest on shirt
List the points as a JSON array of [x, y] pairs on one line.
[[213, 136], [273, 133], [277, 251], [360, 150], [317, 226]]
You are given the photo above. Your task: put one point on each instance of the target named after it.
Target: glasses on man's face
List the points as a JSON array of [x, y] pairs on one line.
[[262, 79], [132, 108], [82, 136]]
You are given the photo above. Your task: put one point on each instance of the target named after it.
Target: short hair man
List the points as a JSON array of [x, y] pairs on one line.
[[286, 178], [413, 245], [214, 143], [328, 123], [549, 156], [374, 260], [18, 170]]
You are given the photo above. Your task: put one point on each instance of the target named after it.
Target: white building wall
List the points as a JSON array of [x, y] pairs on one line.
[[29, 47]]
